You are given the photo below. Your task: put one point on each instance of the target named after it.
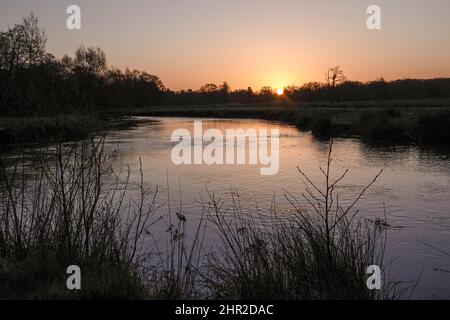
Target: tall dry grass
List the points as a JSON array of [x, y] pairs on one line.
[[322, 252], [69, 210], [69, 207]]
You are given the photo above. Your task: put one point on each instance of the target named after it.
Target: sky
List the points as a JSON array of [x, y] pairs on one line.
[[188, 43]]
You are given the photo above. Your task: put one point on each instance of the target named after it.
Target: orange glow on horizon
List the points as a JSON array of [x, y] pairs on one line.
[[188, 44]]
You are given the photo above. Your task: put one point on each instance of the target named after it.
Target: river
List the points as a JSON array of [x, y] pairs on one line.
[[414, 186]]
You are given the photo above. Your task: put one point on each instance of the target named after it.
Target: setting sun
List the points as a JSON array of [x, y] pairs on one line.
[[280, 91]]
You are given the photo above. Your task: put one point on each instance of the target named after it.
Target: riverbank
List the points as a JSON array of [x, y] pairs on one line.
[[38, 130], [424, 122], [418, 121]]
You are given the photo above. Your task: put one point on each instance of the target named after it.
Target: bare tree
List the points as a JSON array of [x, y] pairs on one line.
[[91, 60], [22, 45], [334, 76], [34, 40]]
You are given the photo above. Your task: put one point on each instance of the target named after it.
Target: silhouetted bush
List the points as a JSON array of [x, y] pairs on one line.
[[303, 122], [322, 127], [435, 126]]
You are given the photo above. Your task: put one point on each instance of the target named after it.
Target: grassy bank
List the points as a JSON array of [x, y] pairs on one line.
[[70, 208], [418, 121], [40, 129], [70, 127]]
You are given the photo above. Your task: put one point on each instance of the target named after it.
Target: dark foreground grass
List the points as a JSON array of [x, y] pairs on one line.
[[321, 252], [70, 208], [68, 211]]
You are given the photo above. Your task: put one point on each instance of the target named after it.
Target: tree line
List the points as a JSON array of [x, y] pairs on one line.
[[34, 82]]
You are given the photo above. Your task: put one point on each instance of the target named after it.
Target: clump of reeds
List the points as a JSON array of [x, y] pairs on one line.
[[173, 271], [322, 252]]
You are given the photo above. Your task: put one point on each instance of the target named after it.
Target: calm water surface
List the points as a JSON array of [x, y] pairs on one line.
[[414, 187]]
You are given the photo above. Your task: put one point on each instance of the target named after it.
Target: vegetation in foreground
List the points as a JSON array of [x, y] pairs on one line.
[[68, 207]]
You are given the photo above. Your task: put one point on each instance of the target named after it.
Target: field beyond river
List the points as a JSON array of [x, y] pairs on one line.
[[419, 121], [422, 122]]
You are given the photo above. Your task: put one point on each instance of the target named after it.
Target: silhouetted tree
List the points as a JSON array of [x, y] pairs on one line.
[[21, 48], [34, 41], [209, 88], [209, 93], [35, 82], [266, 91], [266, 94], [334, 77], [224, 92]]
